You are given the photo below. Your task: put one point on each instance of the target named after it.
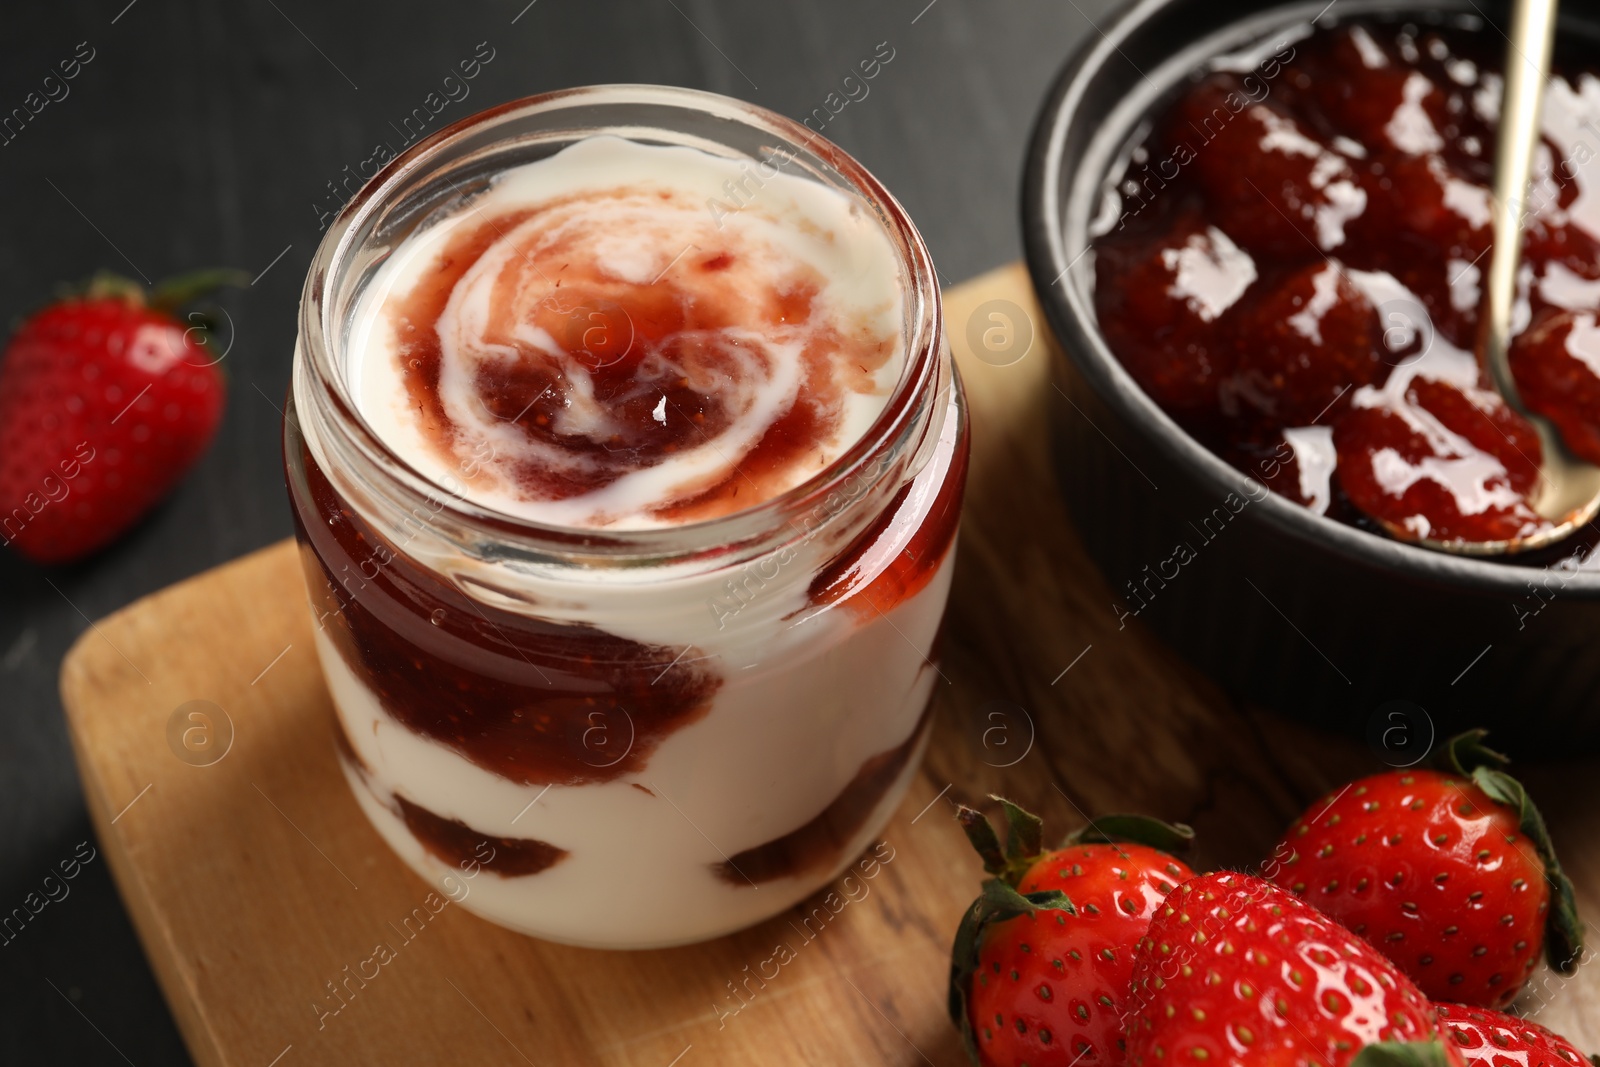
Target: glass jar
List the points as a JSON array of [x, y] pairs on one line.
[[623, 738]]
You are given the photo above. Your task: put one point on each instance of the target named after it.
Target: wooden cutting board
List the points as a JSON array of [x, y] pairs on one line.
[[255, 882]]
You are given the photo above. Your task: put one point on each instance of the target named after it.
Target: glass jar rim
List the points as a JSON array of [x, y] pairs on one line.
[[898, 423]]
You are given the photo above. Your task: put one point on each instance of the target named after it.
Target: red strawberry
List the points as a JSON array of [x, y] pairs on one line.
[[1449, 872], [1040, 979], [106, 401], [1236, 971], [1494, 1039]]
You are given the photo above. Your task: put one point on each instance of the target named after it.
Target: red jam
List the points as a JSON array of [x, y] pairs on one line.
[[514, 694], [521, 696], [1303, 246], [820, 842], [875, 573]]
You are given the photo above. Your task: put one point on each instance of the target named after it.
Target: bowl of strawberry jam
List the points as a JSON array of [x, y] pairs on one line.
[[1259, 232], [626, 455]]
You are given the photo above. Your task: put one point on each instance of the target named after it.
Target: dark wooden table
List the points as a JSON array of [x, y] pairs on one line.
[[202, 134]]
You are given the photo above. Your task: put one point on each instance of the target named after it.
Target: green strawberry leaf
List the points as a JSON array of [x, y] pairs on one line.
[[1024, 832], [1403, 1054], [1465, 752], [1467, 755], [173, 293], [983, 838], [1135, 829], [1563, 930], [997, 902], [167, 295], [1023, 845], [1024, 842]]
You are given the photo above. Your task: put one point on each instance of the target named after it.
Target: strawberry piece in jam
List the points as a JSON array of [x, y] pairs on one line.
[[1426, 197], [1560, 254], [1429, 226], [1305, 346], [1159, 303], [1440, 463], [1361, 89], [1557, 367], [1271, 185], [1448, 289]]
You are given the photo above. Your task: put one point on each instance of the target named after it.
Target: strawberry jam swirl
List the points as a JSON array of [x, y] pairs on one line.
[[595, 342]]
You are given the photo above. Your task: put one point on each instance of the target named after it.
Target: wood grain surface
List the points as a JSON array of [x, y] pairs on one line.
[[254, 881]]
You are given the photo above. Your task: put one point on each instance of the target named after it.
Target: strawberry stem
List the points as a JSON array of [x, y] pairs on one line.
[[1465, 752], [1024, 832], [172, 293], [983, 838], [1023, 845], [1024, 842], [1024, 839], [167, 295]]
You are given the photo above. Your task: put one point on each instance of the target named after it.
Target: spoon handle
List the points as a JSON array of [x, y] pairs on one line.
[[1527, 68]]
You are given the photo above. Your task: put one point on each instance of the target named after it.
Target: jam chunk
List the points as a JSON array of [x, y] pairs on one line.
[[1426, 197], [1305, 346], [1557, 367], [1360, 86], [1271, 185], [1431, 227], [1297, 463], [1159, 303], [1440, 461], [1565, 262]]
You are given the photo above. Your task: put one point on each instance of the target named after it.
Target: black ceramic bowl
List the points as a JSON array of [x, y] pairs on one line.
[[1280, 605]]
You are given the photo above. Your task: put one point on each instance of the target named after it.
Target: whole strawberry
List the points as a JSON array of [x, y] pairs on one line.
[[106, 401], [1040, 968], [1449, 872], [1235, 970], [1493, 1039]]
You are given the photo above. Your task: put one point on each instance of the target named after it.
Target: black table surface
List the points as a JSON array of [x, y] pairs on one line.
[[204, 134]]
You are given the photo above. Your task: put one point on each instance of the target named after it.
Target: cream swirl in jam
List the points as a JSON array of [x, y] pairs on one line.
[[632, 335]]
